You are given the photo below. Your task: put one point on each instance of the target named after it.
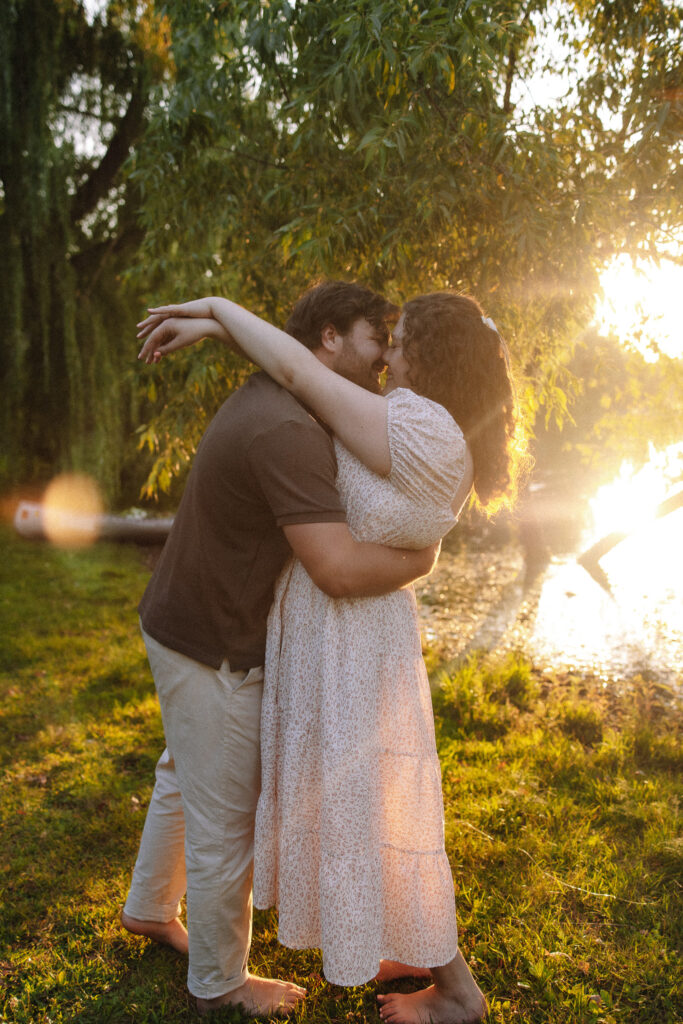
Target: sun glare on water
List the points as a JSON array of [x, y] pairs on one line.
[[634, 624], [641, 305], [630, 501]]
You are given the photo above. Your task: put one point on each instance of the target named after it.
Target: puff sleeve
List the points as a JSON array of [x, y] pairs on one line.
[[427, 447]]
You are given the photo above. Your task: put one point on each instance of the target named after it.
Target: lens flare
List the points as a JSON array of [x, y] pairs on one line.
[[72, 510]]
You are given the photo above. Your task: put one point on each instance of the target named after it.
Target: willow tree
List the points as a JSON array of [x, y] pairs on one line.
[[398, 141], [73, 99]]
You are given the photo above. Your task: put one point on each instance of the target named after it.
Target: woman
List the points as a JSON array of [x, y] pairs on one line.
[[349, 831]]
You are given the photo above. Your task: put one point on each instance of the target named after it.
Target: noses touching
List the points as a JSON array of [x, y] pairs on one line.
[[380, 364]]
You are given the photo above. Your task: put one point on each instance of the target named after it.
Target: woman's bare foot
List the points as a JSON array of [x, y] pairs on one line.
[[429, 1007], [454, 998], [172, 933], [258, 996], [389, 970]]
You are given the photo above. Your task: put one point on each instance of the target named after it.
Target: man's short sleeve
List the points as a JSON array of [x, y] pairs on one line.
[[295, 466]]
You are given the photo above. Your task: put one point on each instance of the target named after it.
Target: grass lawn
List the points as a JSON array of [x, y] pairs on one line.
[[561, 823]]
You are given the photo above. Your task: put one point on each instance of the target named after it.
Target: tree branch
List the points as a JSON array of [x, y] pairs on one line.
[[509, 75], [512, 64], [282, 84], [93, 256], [102, 177], [254, 159], [65, 108]]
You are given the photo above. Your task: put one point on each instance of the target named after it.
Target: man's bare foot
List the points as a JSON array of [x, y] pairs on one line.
[[258, 996], [389, 970], [172, 933], [430, 1006]]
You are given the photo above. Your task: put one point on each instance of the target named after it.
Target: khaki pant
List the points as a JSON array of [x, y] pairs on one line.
[[199, 830]]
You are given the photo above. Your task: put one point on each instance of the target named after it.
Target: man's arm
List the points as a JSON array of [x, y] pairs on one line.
[[344, 567]]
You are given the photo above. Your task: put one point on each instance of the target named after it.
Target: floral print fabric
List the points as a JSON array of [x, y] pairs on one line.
[[349, 828]]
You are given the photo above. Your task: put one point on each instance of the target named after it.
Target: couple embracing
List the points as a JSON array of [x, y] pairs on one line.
[[314, 501]]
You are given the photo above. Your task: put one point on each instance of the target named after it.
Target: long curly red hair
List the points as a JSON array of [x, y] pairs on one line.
[[456, 359]]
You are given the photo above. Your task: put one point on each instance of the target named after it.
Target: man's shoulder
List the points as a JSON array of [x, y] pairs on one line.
[[264, 405]]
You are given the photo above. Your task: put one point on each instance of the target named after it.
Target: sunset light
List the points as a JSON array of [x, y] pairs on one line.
[[630, 501], [641, 305], [385, 687]]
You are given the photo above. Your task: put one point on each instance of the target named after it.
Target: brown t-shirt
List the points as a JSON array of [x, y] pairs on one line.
[[263, 463]]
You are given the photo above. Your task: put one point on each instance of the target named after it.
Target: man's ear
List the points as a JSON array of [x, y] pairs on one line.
[[330, 338]]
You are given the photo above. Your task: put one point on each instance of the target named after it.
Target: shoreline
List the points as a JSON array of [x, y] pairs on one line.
[[481, 597]]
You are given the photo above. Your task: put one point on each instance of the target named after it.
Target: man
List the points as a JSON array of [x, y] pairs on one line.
[[262, 486]]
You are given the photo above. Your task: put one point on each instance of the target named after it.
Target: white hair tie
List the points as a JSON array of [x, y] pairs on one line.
[[489, 323]]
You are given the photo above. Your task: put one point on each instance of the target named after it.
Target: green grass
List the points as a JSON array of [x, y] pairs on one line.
[[561, 823]]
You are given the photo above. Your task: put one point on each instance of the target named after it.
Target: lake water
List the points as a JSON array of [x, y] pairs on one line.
[[564, 620], [636, 627]]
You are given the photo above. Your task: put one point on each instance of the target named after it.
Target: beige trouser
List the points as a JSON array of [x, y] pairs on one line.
[[199, 830]]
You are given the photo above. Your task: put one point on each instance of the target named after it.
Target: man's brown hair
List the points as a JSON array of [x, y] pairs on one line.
[[339, 303]]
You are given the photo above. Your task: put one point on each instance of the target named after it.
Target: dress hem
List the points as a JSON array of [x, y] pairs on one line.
[[390, 955]]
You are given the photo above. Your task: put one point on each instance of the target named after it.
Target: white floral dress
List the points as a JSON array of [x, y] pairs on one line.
[[349, 828]]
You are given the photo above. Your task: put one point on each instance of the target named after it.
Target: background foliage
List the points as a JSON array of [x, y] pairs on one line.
[[409, 144], [73, 101]]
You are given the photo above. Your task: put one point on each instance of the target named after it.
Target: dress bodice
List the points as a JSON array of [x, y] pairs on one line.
[[411, 507]]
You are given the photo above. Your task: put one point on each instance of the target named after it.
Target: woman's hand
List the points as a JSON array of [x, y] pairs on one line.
[[196, 308], [165, 333]]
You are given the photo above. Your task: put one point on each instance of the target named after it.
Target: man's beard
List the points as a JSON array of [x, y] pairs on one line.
[[355, 370]]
